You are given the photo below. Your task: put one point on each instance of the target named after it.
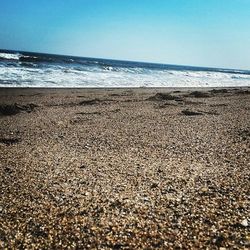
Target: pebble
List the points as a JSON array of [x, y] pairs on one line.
[[244, 223], [204, 189]]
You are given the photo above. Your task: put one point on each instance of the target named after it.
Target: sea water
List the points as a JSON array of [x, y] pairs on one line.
[[25, 69]]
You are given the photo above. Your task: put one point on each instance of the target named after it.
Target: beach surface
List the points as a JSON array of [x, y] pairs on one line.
[[124, 168]]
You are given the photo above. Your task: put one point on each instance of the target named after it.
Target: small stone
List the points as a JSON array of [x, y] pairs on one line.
[[204, 189], [244, 223], [146, 199]]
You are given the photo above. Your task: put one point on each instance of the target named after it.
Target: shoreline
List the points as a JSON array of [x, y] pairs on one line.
[[15, 90]]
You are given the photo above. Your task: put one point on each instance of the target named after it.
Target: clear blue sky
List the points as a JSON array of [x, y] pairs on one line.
[[191, 32]]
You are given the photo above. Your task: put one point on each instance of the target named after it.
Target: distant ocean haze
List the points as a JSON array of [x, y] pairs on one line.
[[24, 69]]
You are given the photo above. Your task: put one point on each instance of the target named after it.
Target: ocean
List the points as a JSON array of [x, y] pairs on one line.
[[26, 69]]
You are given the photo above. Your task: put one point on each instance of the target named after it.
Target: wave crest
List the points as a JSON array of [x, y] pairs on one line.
[[8, 56]]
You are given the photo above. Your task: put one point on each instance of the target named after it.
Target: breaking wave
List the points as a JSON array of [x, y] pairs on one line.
[[24, 69], [8, 56]]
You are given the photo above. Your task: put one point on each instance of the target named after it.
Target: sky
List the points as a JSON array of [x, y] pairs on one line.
[[214, 33]]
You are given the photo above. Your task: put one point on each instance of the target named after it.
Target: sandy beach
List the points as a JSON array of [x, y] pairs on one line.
[[124, 168]]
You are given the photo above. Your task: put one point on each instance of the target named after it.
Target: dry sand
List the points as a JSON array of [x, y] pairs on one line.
[[124, 169]]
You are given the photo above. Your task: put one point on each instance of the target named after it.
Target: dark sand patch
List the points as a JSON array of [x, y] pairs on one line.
[[9, 141], [199, 94], [244, 134], [164, 97], [211, 112], [191, 113], [219, 91], [13, 109], [218, 105], [95, 101], [90, 102], [242, 92], [89, 113]]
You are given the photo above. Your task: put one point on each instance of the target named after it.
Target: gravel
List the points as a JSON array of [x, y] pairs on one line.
[[123, 173]]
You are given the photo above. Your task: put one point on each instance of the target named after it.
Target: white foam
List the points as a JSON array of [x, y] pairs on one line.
[[9, 56], [59, 76]]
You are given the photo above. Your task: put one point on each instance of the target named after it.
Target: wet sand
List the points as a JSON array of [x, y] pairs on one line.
[[124, 168]]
